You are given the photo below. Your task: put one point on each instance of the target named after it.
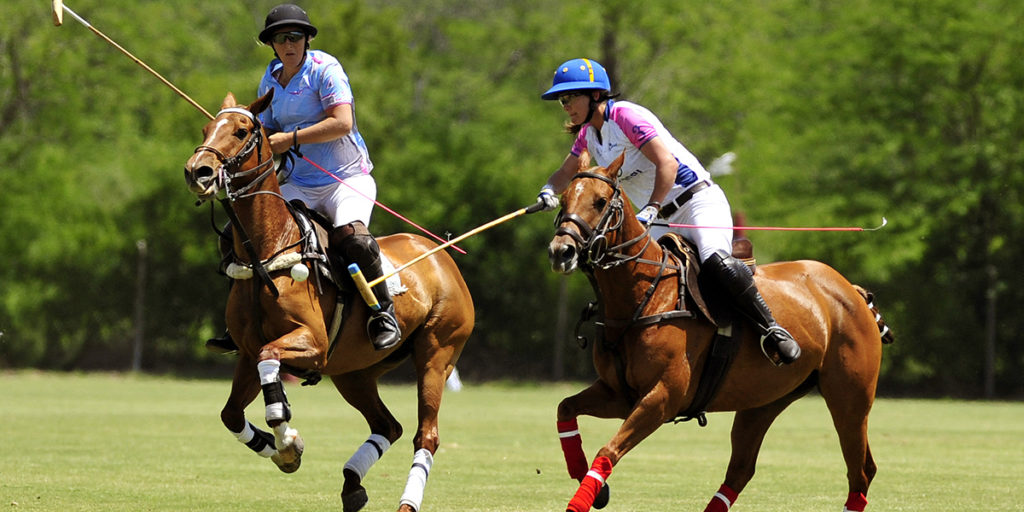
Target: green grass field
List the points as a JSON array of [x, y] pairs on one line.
[[136, 443]]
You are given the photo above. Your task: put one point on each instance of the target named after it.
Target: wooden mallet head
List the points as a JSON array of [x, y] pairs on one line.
[[58, 12]]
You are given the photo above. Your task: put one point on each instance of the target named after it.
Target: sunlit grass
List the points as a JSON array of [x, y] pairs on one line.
[[109, 442]]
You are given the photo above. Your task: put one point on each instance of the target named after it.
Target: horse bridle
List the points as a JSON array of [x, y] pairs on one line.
[[230, 169], [230, 166], [594, 240]]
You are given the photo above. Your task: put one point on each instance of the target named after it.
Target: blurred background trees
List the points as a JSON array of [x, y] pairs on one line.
[[838, 115]]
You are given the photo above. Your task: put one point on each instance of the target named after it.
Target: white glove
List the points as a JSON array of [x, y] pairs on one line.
[[647, 214], [548, 198]]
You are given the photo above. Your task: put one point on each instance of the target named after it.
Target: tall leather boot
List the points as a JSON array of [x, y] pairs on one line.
[[382, 327], [738, 282], [354, 244]]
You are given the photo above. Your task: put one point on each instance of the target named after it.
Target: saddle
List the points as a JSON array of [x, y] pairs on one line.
[[686, 252]]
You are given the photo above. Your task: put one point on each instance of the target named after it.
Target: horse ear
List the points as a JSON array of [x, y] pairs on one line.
[[262, 103], [613, 169], [229, 101], [584, 160]]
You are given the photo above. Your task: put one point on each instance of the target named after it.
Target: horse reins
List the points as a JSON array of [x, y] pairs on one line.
[[253, 143], [596, 241], [230, 169]]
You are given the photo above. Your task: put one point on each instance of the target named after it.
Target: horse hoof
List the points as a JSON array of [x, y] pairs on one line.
[[289, 458], [602, 497], [289, 466], [354, 501]]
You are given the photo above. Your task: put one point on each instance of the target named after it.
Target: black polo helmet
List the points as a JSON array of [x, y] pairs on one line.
[[286, 14]]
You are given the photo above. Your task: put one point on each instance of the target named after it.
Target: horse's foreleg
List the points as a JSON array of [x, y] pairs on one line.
[[299, 348], [748, 430], [598, 400], [641, 421], [244, 389], [287, 441]]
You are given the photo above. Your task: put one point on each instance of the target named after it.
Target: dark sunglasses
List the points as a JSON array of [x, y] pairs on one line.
[[567, 97], [291, 37]]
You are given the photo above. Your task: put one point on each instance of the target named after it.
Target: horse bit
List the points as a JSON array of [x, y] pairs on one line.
[[228, 169], [594, 241]]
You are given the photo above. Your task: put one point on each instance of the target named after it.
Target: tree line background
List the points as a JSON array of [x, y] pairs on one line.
[[839, 114]]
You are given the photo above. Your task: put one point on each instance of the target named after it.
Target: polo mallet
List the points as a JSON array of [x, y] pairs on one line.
[[775, 228], [58, 19], [365, 288]]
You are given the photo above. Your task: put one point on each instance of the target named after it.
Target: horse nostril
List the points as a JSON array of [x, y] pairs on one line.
[[568, 252], [203, 173]]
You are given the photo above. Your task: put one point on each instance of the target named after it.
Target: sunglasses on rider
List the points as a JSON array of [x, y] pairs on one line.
[[567, 97], [291, 37]]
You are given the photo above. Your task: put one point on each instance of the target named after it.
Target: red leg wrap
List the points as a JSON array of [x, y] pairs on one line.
[[572, 448], [856, 502], [591, 485], [722, 500]]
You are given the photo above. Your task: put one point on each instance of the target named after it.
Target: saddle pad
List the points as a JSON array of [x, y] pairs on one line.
[[394, 282]]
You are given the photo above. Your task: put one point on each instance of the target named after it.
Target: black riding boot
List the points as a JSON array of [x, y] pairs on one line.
[[735, 277], [354, 244], [382, 327]]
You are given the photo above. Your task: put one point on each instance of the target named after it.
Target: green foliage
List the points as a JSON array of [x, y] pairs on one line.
[[839, 115]]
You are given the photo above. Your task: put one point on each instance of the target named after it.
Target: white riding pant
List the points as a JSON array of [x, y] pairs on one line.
[[707, 207], [341, 202]]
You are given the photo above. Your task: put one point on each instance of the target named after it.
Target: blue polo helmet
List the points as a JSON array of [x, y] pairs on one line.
[[578, 75]]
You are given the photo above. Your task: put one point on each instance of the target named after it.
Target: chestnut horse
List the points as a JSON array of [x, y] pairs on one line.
[[648, 371], [281, 321]]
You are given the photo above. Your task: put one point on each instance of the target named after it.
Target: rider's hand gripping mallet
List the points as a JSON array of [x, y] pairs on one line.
[[58, 19]]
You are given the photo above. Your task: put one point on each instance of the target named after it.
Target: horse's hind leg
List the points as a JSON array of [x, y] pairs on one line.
[[433, 361], [748, 430], [849, 395], [360, 390]]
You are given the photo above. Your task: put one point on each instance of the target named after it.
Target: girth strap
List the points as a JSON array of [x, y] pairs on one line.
[[724, 346]]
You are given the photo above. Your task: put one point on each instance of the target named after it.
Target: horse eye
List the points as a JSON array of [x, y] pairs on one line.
[[241, 133], [600, 203]]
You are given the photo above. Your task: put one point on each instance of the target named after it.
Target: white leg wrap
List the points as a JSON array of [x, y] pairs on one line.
[[367, 455], [413, 495], [269, 371], [246, 437], [284, 436]]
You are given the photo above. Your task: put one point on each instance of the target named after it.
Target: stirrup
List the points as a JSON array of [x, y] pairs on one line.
[[222, 345], [780, 336], [383, 330]]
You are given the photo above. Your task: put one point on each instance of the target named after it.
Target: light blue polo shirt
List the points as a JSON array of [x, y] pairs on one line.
[[319, 85]]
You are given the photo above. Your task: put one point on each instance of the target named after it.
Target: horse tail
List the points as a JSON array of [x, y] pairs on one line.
[[883, 328]]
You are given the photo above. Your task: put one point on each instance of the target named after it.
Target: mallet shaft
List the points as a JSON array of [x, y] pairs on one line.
[[136, 59]]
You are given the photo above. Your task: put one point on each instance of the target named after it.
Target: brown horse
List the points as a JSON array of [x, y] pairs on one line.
[[648, 371], [281, 322]]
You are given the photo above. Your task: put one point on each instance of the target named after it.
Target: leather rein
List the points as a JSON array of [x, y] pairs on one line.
[[230, 170], [594, 244]]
